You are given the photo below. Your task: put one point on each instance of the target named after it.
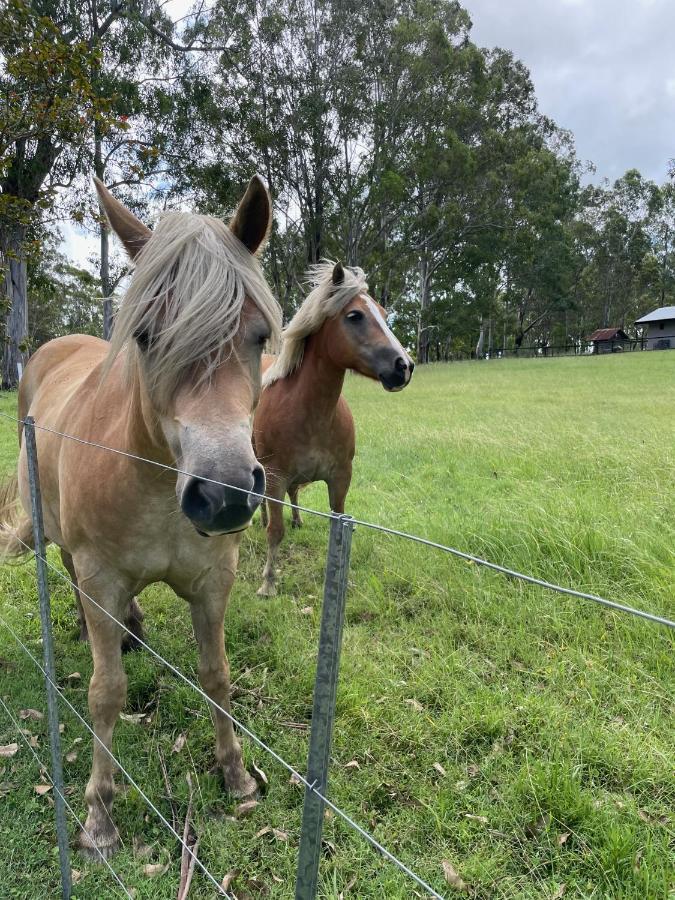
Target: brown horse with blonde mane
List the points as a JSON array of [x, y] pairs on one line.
[[303, 428], [178, 386]]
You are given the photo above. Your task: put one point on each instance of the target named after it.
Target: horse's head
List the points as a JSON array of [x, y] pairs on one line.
[[358, 338], [194, 322]]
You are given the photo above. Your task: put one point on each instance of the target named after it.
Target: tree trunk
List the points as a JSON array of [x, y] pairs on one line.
[[422, 329], [16, 303], [481, 341]]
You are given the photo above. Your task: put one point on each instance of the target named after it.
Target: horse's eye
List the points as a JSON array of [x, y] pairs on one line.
[[355, 315], [262, 340]]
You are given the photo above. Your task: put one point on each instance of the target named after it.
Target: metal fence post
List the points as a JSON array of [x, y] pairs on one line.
[[48, 652], [323, 709]]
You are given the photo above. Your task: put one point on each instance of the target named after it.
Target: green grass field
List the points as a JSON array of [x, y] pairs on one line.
[[522, 736]]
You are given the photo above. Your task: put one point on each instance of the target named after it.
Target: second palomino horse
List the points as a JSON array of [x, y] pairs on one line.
[[303, 427], [178, 386]]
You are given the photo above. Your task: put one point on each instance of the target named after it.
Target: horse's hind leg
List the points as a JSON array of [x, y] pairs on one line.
[[67, 560], [107, 696], [134, 622], [207, 612], [296, 518], [275, 534]]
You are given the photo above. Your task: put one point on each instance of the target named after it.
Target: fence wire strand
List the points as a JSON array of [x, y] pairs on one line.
[[247, 731], [112, 756], [384, 529], [43, 768]]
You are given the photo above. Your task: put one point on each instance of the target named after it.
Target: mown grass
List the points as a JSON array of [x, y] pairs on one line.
[[550, 718]]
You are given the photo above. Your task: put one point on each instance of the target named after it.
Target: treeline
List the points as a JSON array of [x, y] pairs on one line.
[[388, 138]]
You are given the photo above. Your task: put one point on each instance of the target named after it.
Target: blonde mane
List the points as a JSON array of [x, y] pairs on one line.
[[185, 299], [323, 302]]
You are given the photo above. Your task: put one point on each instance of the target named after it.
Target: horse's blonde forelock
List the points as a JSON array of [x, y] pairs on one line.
[[323, 302], [186, 297]]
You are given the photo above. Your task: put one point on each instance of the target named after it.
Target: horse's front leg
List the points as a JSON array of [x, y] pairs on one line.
[[338, 488], [208, 613], [275, 534], [107, 696]]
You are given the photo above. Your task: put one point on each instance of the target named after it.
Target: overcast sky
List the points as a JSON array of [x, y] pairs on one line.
[[605, 69]]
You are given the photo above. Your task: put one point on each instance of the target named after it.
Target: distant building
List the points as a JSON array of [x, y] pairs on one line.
[[659, 329], [609, 340]]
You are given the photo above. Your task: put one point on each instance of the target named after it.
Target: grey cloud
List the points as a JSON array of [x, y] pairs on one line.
[[605, 69]]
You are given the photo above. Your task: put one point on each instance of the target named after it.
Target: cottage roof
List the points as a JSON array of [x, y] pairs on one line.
[[608, 334], [662, 314]]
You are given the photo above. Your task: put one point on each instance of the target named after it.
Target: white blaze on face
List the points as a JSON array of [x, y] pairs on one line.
[[377, 315]]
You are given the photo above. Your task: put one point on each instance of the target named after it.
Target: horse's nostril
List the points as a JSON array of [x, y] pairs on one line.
[[258, 481], [400, 365]]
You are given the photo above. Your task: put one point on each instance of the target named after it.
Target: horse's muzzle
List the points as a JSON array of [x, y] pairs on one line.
[[396, 377], [215, 508]]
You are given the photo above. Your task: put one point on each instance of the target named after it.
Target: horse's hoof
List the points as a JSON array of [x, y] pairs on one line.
[[130, 643], [296, 523], [246, 788], [100, 850], [267, 590]]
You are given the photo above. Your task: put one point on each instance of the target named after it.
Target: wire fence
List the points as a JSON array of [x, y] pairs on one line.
[[326, 680]]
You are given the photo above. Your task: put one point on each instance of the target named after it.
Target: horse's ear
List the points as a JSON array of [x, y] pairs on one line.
[[130, 230], [338, 275], [253, 219]]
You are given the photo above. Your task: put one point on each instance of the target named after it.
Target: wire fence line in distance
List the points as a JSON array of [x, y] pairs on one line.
[[373, 526], [310, 786]]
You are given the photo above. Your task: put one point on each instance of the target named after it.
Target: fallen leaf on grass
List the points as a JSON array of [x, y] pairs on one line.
[[75, 875], [134, 718], [472, 770], [637, 862], [562, 838], [652, 819], [245, 809], [30, 714], [416, 705], [226, 883], [534, 829], [307, 610], [559, 893], [34, 741], [42, 789], [352, 764], [279, 834], [77, 741], [74, 676], [482, 819], [72, 756], [6, 788], [260, 774], [439, 768], [294, 779], [453, 879], [152, 870], [179, 743], [141, 849], [350, 884]]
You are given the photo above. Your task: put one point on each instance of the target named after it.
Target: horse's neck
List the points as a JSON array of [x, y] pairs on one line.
[[319, 381]]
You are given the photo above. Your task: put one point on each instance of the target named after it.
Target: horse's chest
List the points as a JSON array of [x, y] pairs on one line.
[[317, 463]]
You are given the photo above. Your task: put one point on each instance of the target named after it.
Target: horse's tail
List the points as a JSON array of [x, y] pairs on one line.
[[16, 528]]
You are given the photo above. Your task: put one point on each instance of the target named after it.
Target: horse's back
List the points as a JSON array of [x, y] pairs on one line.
[[56, 370]]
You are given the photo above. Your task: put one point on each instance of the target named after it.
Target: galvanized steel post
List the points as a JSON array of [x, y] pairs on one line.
[[323, 710], [48, 653]]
